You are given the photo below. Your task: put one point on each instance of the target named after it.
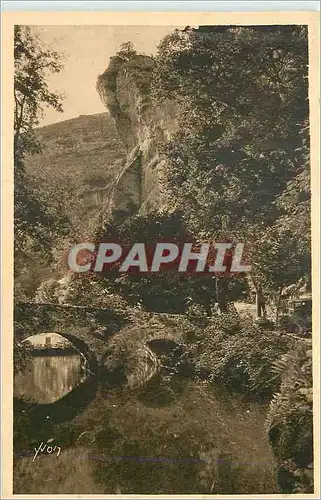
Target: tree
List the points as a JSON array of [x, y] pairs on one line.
[[161, 292], [126, 51], [242, 97], [36, 221], [31, 93], [241, 94], [279, 260]]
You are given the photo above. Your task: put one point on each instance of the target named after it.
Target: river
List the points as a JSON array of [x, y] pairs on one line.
[[180, 437], [49, 378]]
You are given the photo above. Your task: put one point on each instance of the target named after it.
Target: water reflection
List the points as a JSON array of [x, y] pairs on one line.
[[49, 378]]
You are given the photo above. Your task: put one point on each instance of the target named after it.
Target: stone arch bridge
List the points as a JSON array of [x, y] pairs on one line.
[[107, 337]]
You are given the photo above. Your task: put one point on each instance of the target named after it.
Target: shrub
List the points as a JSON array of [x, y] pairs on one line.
[[239, 354], [87, 290], [48, 291], [21, 356], [290, 420]]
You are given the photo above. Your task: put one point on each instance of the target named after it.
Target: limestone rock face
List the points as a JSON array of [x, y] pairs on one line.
[[142, 125]]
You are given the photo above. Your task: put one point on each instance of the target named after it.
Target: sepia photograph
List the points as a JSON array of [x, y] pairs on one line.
[[163, 285]]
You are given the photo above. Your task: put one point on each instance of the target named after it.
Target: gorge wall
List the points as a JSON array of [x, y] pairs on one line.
[[142, 125]]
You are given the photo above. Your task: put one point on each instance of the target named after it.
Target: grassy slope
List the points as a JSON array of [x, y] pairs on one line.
[[83, 153], [80, 145]]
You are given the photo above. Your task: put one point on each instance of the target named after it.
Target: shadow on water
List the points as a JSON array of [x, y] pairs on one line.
[[165, 388], [200, 441], [53, 389], [161, 390], [35, 421], [174, 435]]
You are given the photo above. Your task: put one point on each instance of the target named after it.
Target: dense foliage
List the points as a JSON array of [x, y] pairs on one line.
[[21, 356], [290, 420], [240, 159], [240, 354], [240, 162], [161, 292], [237, 168], [37, 219], [243, 101]]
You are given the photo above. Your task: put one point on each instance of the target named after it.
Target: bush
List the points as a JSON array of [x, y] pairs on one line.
[[290, 420], [21, 356], [48, 291], [239, 354], [159, 292], [87, 290]]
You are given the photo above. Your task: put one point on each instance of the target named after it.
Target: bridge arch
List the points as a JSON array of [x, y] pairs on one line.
[[80, 345], [73, 402], [88, 329]]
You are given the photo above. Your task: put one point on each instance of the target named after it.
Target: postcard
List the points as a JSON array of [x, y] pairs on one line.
[[160, 232]]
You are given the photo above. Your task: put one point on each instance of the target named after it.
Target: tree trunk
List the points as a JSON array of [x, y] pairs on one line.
[[278, 303], [259, 297], [258, 306], [261, 300], [221, 294]]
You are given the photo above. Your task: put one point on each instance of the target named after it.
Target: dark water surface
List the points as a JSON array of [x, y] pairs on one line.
[[179, 437]]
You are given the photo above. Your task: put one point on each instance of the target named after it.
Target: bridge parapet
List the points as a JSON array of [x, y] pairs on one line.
[[31, 318]]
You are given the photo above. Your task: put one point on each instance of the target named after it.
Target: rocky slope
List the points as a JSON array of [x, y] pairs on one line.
[[85, 154]]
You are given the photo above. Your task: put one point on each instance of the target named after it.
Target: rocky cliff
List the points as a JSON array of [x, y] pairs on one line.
[[142, 125]]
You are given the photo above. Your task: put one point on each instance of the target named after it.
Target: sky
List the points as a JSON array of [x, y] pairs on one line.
[[87, 50], [40, 339]]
